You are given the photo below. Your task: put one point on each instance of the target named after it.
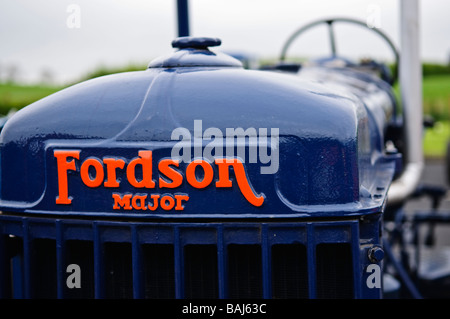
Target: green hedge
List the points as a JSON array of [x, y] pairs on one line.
[[430, 69]]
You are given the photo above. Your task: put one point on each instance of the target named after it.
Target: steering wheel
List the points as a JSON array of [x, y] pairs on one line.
[[330, 23]]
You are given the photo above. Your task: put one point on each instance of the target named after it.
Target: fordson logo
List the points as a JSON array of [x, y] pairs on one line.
[[150, 179]]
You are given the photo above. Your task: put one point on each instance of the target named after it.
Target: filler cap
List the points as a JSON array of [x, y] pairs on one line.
[[195, 42], [194, 52]]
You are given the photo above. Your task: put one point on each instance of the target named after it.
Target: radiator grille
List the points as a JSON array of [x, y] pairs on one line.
[[179, 260]]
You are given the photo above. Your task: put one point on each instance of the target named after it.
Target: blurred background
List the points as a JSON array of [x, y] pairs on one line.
[[47, 45]]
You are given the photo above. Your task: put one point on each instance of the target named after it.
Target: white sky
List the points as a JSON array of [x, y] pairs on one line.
[[35, 36]]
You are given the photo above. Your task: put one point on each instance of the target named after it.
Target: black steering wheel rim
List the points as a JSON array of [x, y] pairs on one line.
[[330, 23]]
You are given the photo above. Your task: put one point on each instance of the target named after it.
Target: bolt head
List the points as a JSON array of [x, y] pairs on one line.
[[376, 254]]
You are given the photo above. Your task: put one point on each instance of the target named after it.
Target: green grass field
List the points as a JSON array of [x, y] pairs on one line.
[[14, 96], [436, 102], [436, 96], [435, 140]]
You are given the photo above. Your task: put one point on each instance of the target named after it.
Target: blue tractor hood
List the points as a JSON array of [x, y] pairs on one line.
[[155, 143]]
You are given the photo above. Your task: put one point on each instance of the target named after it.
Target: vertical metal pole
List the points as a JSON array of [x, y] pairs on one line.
[[410, 77], [183, 18]]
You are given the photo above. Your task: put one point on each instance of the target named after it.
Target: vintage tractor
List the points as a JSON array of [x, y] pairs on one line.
[[197, 178]]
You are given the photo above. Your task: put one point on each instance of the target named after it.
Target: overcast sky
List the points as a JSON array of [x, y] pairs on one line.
[[68, 38]]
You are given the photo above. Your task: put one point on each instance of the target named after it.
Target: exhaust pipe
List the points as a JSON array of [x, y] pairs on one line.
[[410, 77]]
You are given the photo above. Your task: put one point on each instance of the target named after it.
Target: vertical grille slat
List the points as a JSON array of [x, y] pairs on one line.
[[136, 253], [9, 248], [174, 260], [222, 264], [311, 256], [4, 268], [26, 261], [266, 263], [99, 276], [60, 257], [178, 265], [15, 253]]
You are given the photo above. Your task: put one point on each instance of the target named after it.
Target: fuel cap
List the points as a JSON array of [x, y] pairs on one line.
[[194, 52], [195, 42]]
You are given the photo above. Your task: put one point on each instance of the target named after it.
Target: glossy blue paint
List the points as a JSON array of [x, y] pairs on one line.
[[331, 126]]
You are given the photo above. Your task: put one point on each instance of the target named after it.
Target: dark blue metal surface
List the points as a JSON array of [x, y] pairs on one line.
[[94, 152], [330, 139], [60, 233]]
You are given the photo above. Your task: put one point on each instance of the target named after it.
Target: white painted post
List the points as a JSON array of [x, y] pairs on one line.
[[410, 77]]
